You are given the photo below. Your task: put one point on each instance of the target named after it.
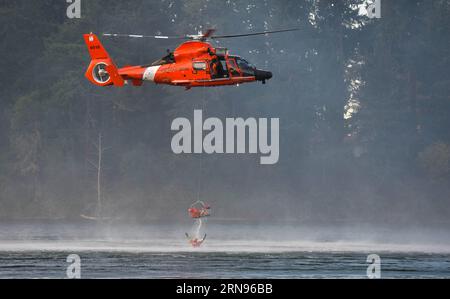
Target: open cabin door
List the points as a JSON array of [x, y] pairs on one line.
[[218, 68]]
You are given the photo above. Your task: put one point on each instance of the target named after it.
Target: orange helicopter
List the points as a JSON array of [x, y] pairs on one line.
[[195, 63]]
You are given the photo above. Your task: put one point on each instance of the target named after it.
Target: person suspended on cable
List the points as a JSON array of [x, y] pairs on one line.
[[199, 209], [195, 242]]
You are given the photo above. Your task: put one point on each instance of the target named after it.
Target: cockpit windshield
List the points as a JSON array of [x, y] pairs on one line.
[[245, 67]]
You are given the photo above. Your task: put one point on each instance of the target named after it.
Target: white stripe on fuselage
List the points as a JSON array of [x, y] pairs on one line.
[[150, 73]]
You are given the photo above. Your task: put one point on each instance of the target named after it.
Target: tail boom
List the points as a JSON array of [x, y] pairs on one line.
[[102, 70]]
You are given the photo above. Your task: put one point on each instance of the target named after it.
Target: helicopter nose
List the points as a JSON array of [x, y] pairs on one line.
[[261, 75]]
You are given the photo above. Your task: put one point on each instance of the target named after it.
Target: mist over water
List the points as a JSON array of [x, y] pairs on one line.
[[222, 237]]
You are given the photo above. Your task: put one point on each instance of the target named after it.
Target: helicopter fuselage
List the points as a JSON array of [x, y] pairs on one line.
[[192, 64]]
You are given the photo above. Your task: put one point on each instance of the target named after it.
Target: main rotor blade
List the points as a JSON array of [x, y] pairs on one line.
[[143, 36], [208, 35], [253, 34]]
